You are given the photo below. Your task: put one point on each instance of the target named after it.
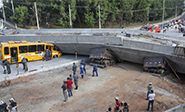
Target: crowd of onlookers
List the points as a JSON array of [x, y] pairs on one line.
[[124, 107], [177, 24], [68, 84]]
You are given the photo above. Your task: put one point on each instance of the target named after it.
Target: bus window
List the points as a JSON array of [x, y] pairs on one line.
[[48, 47], [56, 48], [6, 51], [22, 49], [40, 47], [32, 48]]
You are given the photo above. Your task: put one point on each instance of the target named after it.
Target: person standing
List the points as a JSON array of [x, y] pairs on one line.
[[24, 62], [75, 77], [7, 64], [118, 104], [81, 70], [74, 68], [70, 77], [3, 107], [48, 53], [149, 89], [126, 107], [13, 104], [69, 87], [83, 63], [151, 100], [95, 69], [64, 87]]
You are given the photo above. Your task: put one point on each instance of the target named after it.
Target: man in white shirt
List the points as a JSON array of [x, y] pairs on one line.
[[151, 100]]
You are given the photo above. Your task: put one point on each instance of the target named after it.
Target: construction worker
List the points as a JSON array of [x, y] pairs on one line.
[[95, 69], [48, 53], [149, 89], [64, 87], [24, 63], [75, 77], [3, 60], [83, 63], [118, 104], [74, 68], [13, 104], [7, 64], [151, 100], [3, 107]]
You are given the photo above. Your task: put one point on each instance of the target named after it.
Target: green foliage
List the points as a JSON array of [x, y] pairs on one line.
[[21, 14], [84, 13]]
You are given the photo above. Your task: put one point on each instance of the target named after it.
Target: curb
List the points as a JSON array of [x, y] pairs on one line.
[[68, 65]]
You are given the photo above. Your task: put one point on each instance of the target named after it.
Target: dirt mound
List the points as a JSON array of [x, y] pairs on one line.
[[42, 92]]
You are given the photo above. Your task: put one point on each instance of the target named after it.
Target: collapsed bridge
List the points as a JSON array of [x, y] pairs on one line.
[[132, 48]]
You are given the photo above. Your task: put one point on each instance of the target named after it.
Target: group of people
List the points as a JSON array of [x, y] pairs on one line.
[[6, 65], [12, 107], [67, 85], [119, 106], [150, 97]]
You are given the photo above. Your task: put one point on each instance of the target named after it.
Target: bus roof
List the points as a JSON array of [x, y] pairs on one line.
[[15, 43]]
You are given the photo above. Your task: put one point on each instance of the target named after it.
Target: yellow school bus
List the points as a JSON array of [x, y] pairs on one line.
[[13, 51]]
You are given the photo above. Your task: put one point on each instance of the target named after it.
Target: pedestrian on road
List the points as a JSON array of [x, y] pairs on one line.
[[69, 87], [3, 107], [118, 104], [95, 69], [75, 77], [81, 70], [48, 53], [126, 107], [64, 87], [74, 68], [149, 89], [70, 77], [7, 64], [13, 105], [83, 63], [151, 100], [24, 63]]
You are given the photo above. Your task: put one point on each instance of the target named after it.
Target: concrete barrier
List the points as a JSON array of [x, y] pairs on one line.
[[179, 108]]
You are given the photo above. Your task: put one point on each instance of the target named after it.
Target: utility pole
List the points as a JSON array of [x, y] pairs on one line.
[[148, 9], [163, 13], [70, 22], [36, 15], [13, 12], [99, 17], [4, 14], [176, 12], [13, 8]]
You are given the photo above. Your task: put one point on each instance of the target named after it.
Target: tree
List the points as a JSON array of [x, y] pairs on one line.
[[157, 6], [21, 15], [91, 13], [142, 14]]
